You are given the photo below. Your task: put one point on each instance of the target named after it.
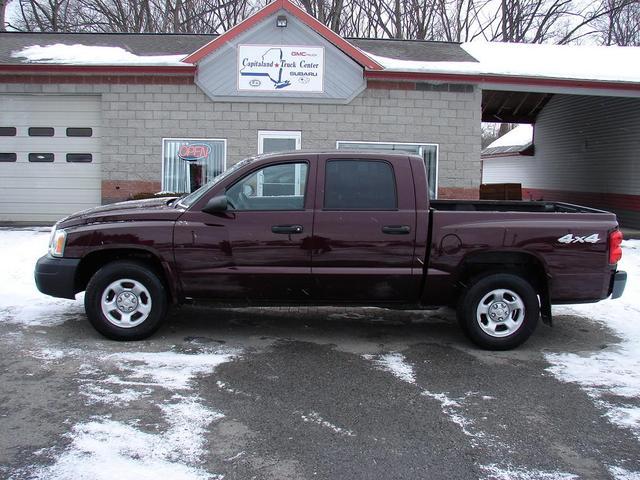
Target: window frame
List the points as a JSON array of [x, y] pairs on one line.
[[164, 139], [14, 129], [13, 155], [413, 144], [53, 132], [279, 134], [79, 128], [262, 167], [378, 160], [79, 161], [53, 157]]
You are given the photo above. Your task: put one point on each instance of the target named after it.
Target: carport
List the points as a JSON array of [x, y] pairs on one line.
[[586, 140]]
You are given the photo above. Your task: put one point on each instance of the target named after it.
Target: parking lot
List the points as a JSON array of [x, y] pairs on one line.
[[312, 392]]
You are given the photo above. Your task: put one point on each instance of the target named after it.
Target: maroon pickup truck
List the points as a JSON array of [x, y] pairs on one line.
[[333, 228]]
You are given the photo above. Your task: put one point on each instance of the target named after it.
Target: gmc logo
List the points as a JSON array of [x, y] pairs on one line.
[[299, 54]]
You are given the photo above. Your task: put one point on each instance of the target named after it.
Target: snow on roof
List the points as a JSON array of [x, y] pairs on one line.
[[534, 60], [520, 136], [79, 54]]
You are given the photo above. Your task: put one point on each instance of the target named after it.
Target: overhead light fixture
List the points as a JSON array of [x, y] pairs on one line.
[[281, 21]]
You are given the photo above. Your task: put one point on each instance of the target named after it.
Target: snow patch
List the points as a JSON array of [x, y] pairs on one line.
[[79, 54], [314, 417], [103, 448], [620, 473], [171, 370], [496, 472], [616, 369], [20, 301], [106, 449], [519, 136], [395, 364], [533, 60]]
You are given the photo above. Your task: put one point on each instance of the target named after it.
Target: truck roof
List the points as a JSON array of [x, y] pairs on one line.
[[368, 153]]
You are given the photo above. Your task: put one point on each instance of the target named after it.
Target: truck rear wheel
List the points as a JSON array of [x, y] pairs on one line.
[[125, 300], [499, 311]]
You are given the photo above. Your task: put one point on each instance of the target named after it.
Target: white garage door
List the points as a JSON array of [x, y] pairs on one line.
[[49, 156]]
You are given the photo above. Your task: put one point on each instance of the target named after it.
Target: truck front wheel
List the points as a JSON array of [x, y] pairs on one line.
[[499, 311], [125, 300]]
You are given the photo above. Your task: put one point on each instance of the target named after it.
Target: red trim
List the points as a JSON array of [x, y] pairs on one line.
[[103, 69], [353, 52], [98, 79], [462, 78], [607, 201]]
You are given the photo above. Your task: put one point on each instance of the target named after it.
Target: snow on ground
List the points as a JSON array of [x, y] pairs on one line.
[[610, 376], [495, 472], [617, 64], [314, 417], [20, 300], [396, 364], [103, 448], [92, 55]]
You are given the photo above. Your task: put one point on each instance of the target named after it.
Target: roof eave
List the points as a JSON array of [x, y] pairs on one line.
[[44, 68], [500, 79]]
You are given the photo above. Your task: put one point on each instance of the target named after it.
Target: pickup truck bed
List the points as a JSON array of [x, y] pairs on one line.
[[338, 227]]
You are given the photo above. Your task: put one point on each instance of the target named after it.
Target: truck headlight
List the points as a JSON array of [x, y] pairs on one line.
[[57, 243]]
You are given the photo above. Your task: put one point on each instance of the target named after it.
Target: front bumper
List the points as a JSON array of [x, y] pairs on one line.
[[56, 276], [618, 282]]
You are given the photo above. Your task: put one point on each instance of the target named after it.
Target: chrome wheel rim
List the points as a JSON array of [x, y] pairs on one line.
[[500, 313], [126, 303]]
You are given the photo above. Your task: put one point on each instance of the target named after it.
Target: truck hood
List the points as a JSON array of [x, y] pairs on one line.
[[133, 210]]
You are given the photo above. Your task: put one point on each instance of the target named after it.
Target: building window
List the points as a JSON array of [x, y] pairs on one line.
[[189, 163], [7, 131], [41, 157], [41, 131], [79, 132], [428, 152], [276, 187], [79, 157], [8, 157], [360, 185], [271, 141]]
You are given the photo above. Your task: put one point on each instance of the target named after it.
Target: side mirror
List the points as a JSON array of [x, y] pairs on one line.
[[217, 204]]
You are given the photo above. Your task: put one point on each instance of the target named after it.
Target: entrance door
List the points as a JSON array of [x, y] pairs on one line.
[[259, 248], [364, 230]]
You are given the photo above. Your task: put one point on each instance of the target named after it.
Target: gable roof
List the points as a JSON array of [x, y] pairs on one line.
[[347, 48]]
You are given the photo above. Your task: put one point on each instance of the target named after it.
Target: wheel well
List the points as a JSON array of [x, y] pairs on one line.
[[93, 261], [522, 264]]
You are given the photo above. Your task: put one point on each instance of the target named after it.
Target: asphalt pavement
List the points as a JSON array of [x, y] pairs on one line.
[[323, 393]]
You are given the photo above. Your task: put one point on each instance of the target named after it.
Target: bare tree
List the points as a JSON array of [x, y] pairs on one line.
[[621, 25]]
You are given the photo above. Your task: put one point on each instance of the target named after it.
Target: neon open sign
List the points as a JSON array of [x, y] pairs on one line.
[[194, 152]]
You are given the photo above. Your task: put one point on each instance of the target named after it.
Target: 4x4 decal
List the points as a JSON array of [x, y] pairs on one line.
[[571, 238]]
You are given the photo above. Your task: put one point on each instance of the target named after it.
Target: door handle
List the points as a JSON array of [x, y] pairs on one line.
[[396, 229], [287, 229]]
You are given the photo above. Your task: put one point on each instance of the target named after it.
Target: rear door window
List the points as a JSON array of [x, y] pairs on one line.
[[360, 185]]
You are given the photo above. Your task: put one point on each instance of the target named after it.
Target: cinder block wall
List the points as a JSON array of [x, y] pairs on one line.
[[137, 116]]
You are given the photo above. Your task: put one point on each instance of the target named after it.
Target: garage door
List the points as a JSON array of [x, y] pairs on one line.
[[49, 156]]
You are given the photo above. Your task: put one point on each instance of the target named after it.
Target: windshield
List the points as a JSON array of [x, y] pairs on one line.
[[194, 196]]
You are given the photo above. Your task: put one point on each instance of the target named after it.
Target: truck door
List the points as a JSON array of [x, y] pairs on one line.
[[364, 229], [259, 248]]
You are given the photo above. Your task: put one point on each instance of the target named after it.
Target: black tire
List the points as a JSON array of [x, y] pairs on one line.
[[156, 299], [488, 288]]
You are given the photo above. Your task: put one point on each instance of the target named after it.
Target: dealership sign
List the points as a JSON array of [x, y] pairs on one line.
[[270, 68]]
